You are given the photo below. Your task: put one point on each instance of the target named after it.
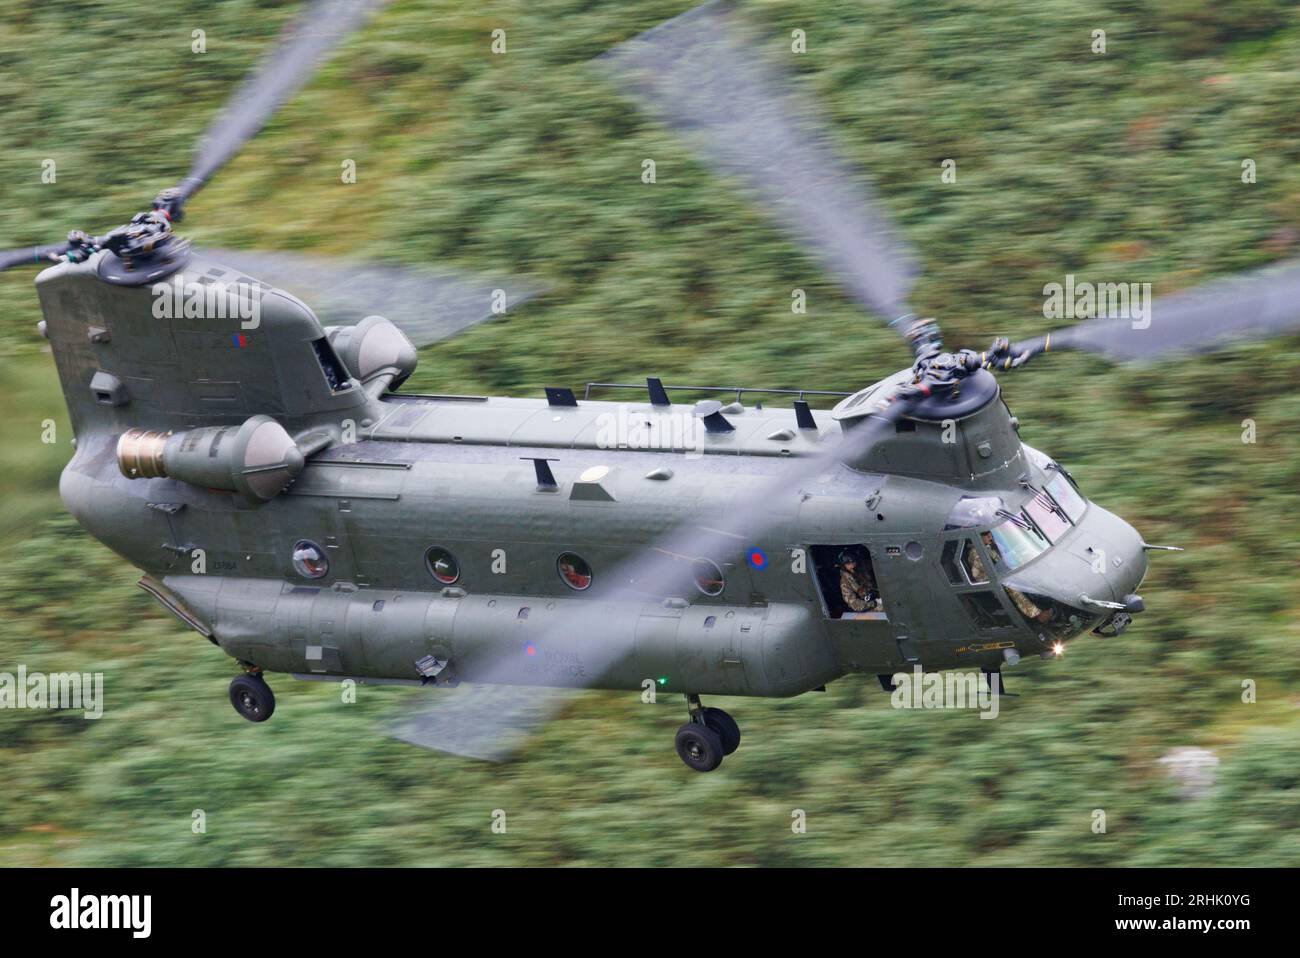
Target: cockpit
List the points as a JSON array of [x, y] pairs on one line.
[[1004, 542]]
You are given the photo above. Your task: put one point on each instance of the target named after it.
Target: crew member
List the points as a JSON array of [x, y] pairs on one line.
[[856, 588], [979, 574]]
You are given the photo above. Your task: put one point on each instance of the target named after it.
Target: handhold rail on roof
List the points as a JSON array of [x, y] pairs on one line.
[[739, 391]]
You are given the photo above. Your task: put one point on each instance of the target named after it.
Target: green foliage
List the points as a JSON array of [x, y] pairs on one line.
[[1125, 166]]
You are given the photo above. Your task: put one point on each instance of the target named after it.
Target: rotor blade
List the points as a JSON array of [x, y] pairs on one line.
[[704, 76], [304, 45], [487, 722], [428, 305], [642, 580], [31, 255], [1250, 306]]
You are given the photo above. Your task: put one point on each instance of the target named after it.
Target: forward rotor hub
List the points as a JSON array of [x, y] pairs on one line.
[[143, 251]]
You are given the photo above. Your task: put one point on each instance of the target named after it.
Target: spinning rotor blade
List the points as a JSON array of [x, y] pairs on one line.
[[428, 305], [487, 722], [304, 46], [30, 255], [1254, 306], [491, 723], [704, 76]]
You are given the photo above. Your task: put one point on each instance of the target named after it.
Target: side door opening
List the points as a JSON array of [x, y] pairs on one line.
[[846, 582]]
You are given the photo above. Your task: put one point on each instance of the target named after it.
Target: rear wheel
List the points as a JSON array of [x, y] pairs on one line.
[[252, 697], [725, 726], [699, 747]]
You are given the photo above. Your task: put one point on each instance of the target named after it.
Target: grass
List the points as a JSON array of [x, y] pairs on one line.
[[1117, 167]]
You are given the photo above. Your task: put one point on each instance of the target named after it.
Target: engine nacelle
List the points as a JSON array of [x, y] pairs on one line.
[[257, 459], [373, 348]]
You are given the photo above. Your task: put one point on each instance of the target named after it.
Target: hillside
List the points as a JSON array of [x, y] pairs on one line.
[[1125, 166]]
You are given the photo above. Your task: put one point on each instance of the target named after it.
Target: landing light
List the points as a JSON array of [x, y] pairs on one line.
[[1058, 649]]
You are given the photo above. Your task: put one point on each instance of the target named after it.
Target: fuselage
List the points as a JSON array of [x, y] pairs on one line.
[[419, 544]]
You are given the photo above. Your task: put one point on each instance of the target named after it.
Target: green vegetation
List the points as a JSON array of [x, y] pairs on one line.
[[1125, 166]]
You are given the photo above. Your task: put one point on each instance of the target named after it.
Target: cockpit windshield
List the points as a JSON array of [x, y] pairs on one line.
[[1059, 486], [1048, 516], [1067, 497], [1016, 541], [971, 511], [1018, 536]]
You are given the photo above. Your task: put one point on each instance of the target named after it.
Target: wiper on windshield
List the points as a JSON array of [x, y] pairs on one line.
[[1042, 496], [1012, 517]]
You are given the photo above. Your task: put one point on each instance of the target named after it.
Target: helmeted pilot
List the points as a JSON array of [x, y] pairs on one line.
[[979, 574], [857, 588]]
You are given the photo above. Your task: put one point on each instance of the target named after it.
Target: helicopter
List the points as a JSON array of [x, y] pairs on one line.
[[287, 501]]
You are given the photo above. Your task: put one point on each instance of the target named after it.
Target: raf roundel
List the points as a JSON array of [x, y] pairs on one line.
[[756, 558]]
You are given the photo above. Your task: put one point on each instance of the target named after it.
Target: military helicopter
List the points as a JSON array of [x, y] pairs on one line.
[[286, 501]]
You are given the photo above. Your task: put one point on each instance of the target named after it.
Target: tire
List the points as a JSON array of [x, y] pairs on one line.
[[252, 697], [699, 747], [726, 727]]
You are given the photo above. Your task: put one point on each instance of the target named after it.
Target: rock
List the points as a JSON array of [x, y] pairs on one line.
[[1195, 770]]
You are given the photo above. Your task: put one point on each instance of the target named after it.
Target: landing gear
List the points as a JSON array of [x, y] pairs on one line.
[[252, 697], [726, 728], [708, 737], [699, 747]]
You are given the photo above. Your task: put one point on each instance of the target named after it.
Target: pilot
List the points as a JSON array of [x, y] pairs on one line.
[[856, 588], [975, 566]]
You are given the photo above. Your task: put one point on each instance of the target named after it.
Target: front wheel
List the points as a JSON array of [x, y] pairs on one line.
[[252, 697], [699, 747]]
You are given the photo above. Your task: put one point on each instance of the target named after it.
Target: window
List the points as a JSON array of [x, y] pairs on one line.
[[985, 609], [972, 564], [962, 563], [1067, 497], [1060, 620], [574, 571], [1016, 541], [949, 561], [708, 577], [1050, 518], [442, 565], [971, 511], [309, 559]]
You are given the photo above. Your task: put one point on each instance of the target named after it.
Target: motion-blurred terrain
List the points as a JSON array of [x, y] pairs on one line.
[[1117, 167]]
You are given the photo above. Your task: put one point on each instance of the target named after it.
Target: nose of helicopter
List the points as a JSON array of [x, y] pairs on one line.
[[1096, 569], [1110, 562]]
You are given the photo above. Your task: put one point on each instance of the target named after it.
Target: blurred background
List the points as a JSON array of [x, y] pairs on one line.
[[1117, 167]]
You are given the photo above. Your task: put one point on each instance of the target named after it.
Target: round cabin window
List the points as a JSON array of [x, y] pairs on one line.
[[442, 565], [708, 577], [309, 559], [574, 571]]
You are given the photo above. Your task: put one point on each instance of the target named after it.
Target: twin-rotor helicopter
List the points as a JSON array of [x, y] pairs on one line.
[[351, 530]]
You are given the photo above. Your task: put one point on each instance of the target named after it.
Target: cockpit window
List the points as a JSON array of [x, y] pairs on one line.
[[971, 511], [1056, 618], [1016, 541], [962, 563], [1050, 518], [1067, 497], [985, 610]]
